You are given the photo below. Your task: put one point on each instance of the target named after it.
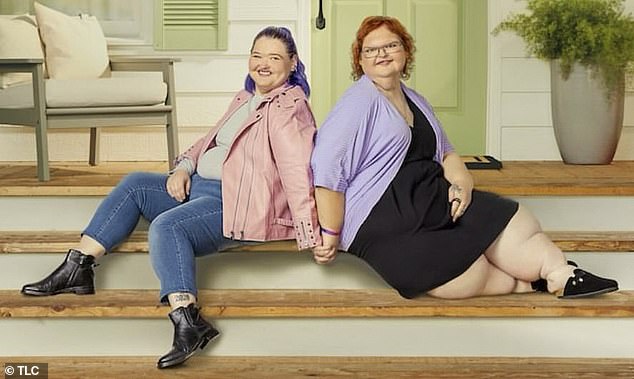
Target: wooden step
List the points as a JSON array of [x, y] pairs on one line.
[[313, 303], [54, 241], [254, 367], [61, 241], [553, 178], [584, 241], [517, 178]]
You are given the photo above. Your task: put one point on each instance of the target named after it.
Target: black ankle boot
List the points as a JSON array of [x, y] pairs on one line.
[[191, 331], [584, 284], [541, 285], [74, 275]]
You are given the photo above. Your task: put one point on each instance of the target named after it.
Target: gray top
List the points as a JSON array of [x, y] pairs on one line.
[[210, 164]]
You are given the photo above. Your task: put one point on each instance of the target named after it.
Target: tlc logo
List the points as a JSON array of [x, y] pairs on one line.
[[24, 370], [28, 370]]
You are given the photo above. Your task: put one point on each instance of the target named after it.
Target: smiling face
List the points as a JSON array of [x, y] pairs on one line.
[[270, 64], [390, 60]]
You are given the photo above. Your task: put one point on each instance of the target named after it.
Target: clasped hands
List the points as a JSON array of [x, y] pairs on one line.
[[327, 252]]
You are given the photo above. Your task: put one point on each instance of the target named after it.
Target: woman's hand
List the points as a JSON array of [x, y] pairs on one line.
[[330, 207], [459, 198], [179, 184], [327, 252], [461, 186]]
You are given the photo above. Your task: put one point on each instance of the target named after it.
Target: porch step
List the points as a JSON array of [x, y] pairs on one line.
[[50, 241], [312, 303], [554, 178], [517, 178], [254, 367], [54, 241]]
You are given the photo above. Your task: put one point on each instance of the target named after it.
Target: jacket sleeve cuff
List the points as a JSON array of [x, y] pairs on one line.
[[306, 233]]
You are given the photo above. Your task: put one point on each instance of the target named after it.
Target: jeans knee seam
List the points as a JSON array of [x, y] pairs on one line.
[[212, 213], [179, 257]]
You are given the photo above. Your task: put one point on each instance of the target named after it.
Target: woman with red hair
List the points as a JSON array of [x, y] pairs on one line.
[[391, 190]]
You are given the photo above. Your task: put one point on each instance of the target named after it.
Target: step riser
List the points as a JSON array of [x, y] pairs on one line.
[[259, 270], [554, 213], [230, 270], [46, 213], [561, 337], [592, 213]]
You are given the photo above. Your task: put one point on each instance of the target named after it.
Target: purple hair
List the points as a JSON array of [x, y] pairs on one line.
[[297, 76]]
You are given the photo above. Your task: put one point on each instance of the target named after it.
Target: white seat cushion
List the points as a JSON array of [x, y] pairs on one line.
[[105, 92], [122, 89]]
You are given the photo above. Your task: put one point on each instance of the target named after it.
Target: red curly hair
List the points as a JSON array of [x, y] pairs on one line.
[[372, 23]]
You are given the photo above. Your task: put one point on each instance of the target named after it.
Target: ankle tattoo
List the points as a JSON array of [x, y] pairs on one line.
[[181, 297]]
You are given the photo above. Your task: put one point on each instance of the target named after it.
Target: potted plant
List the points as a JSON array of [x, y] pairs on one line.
[[590, 46]]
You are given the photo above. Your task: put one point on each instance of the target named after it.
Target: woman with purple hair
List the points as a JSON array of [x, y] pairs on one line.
[[248, 180]]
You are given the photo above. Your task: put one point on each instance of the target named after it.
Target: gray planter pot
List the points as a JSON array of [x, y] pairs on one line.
[[587, 122]]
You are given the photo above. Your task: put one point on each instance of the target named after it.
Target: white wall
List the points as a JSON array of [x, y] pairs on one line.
[[519, 119], [205, 84]]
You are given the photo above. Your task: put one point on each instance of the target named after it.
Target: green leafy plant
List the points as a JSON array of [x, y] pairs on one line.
[[598, 34]]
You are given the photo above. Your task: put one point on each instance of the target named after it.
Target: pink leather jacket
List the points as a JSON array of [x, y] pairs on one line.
[[267, 183]]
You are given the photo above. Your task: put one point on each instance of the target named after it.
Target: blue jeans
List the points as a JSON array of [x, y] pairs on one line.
[[179, 232]]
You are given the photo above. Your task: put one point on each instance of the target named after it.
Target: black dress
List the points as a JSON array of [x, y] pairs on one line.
[[409, 237]]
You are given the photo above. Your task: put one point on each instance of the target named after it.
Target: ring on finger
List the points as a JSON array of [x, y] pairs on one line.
[[457, 200]]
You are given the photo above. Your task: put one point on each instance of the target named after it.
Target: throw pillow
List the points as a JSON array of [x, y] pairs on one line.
[[75, 46]]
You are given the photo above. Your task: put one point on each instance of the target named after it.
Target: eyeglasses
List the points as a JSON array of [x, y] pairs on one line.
[[390, 48]]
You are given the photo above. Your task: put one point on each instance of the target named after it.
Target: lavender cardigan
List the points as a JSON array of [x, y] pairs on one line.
[[361, 146]]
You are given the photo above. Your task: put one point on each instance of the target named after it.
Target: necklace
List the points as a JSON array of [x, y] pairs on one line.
[[399, 102], [404, 111], [408, 115]]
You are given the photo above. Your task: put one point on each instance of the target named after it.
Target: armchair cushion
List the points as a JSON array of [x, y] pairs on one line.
[[75, 46], [18, 39], [122, 89]]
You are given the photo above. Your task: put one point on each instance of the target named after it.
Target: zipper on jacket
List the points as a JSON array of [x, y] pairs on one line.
[[246, 213], [244, 160], [231, 232], [235, 212]]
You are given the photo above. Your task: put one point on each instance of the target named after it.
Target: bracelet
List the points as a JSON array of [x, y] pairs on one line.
[[329, 231]]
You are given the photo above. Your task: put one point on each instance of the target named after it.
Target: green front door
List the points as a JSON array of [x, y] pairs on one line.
[[451, 59]]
